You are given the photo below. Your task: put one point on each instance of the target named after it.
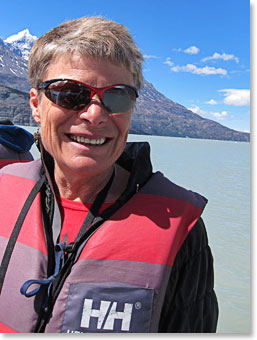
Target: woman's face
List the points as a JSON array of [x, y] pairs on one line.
[[62, 128]]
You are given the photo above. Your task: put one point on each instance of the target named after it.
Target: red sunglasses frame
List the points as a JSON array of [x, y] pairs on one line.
[[93, 90]]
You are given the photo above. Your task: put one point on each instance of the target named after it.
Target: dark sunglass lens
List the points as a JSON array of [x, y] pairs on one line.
[[119, 99], [69, 95]]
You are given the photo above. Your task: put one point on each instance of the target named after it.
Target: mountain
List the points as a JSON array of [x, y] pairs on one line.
[[13, 69], [11, 63], [14, 105], [21, 43], [154, 113]]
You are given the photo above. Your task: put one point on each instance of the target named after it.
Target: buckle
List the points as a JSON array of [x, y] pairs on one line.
[[69, 247]]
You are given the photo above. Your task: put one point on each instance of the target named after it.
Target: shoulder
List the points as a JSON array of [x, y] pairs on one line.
[[29, 170], [195, 243], [161, 185]]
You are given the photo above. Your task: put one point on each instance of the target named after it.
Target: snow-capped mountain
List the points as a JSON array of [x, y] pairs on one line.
[[21, 43], [11, 63], [13, 66]]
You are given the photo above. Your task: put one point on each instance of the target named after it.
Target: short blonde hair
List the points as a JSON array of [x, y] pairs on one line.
[[86, 36]]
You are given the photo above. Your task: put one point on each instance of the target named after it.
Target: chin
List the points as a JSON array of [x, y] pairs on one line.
[[86, 167]]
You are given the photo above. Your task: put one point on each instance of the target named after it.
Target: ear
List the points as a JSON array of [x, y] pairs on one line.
[[34, 105]]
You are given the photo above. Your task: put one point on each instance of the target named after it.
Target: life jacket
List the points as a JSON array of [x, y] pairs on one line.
[[118, 280]]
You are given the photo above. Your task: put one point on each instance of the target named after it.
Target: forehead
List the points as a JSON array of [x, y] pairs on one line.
[[94, 71]]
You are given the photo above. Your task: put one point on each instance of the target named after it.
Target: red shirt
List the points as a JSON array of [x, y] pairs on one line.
[[73, 216]]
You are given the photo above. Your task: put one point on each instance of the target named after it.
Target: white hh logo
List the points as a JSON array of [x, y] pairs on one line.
[[106, 315]]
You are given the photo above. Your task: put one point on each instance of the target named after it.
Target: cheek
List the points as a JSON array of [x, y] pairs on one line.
[[122, 123], [45, 126], [48, 129], [127, 127]]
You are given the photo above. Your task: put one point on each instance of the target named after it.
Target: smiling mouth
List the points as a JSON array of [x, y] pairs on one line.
[[87, 141]]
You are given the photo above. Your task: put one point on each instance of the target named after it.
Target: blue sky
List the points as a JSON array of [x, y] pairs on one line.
[[197, 53]]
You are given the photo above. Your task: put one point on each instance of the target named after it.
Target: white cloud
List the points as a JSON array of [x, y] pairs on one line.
[[192, 50], [223, 56], [169, 62], [218, 115], [212, 102], [198, 70], [147, 56], [236, 97], [189, 50], [196, 109], [177, 49]]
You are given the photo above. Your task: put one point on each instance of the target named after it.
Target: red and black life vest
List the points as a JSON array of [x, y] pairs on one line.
[[118, 281]]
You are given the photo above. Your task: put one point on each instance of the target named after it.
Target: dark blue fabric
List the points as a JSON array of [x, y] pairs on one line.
[[16, 138], [107, 307]]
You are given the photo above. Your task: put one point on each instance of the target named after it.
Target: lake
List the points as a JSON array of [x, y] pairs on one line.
[[220, 171]]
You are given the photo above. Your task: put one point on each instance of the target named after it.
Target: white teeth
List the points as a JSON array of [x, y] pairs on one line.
[[84, 140]]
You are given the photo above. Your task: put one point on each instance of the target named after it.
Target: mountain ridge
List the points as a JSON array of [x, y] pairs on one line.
[[154, 113], [21, 43]]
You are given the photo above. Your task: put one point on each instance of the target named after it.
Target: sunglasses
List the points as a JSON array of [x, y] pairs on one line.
[[74, 95]]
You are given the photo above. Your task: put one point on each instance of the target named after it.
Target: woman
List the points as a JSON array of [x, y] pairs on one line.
[[96, 241]]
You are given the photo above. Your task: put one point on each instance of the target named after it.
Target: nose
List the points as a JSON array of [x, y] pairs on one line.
[[94, 113]]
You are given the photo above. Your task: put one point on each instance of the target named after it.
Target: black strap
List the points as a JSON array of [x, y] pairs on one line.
[[94, 223], [95, 208], [16, 230]]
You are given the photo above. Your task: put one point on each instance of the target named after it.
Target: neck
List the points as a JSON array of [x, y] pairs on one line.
[[86, 188]]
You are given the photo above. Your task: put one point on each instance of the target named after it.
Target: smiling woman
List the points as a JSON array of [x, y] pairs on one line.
[[77, 163], [91, 239]]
